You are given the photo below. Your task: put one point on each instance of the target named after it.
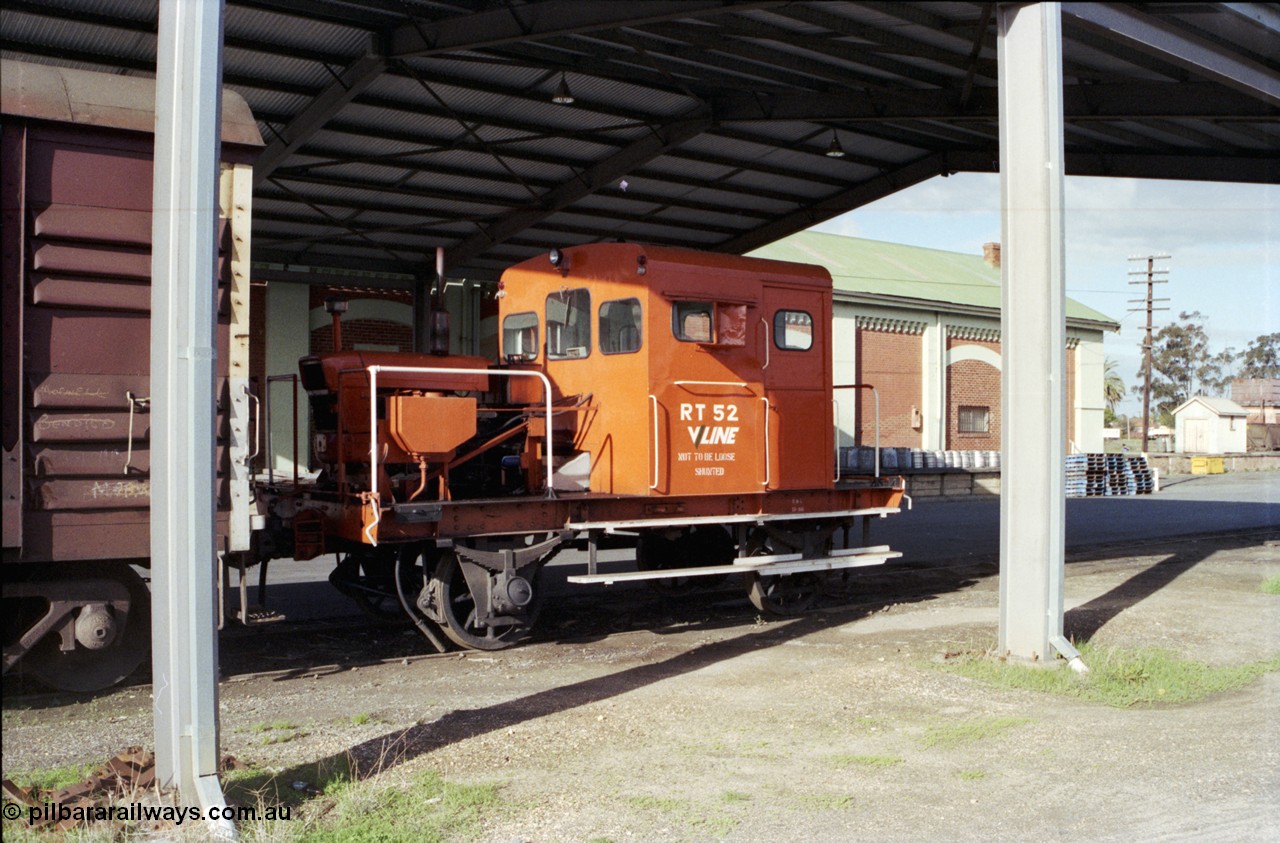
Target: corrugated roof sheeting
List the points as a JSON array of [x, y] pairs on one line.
[[462, 146]]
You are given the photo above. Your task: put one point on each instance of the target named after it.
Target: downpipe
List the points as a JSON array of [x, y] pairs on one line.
[[1070, 653]]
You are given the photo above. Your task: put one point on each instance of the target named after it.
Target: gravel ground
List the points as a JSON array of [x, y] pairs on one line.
[[709, 724]]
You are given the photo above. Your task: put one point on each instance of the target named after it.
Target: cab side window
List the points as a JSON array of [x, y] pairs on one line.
[[568, 325], [520, 337], [620, 326], [713, 323]]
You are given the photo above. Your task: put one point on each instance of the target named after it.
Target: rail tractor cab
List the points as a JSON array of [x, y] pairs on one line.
[[675, 402], [688, 373]]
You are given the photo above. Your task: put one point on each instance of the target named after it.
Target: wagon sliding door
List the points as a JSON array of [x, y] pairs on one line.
[[84, 297]]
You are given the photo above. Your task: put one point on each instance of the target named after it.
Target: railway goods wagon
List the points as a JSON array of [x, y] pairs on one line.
[[675, 402], [77, 195]]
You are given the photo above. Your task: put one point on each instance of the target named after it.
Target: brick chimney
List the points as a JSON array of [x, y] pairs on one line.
[[991, 254]]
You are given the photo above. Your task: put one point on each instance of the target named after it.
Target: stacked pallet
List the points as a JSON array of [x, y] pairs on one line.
[[1108, 475], [1077, 468]]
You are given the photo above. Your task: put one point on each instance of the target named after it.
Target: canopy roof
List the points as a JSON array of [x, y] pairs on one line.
[[394, 127]]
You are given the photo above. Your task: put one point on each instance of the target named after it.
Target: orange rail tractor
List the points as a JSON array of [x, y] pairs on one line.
[[673, 401]]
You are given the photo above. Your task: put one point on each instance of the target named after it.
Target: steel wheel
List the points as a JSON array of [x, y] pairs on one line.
[[457, 605], [83, 669], [786, 595]]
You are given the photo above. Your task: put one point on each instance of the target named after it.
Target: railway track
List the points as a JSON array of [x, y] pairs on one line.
[[315, 648]]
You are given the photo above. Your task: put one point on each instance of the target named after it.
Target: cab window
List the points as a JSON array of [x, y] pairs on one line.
[[620, 326], [568, 325], [520, 337], [715, 323], [793, 330]]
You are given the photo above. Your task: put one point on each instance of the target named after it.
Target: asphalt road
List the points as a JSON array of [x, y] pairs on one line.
[[934, 530]]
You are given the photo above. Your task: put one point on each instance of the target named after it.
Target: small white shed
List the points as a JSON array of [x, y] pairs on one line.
[[1210, 426]]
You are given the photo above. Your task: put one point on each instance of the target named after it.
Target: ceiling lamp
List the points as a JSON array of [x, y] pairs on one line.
[[835, 150], [562, 95]]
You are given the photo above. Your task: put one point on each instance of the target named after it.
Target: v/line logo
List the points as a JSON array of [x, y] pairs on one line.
[[712, 435]]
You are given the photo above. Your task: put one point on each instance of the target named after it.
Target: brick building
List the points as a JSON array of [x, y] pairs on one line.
[[923, 327]]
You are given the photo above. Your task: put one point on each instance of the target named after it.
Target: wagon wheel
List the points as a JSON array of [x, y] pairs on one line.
[[701, 546], [83, 669], [781, 595], [457, 605]]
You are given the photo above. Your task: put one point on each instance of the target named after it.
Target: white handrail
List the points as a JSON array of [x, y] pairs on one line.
[[653, 400], [439, 370], [767, 475], [765, 322]]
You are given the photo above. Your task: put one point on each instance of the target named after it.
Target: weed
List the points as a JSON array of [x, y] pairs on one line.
[[971, 775], [735, 796], [1120, 678], [1271, 585], [657, 803], [428, 810], [827, 801], [878, 761], [361, 719], [54, 778], [950, 734]]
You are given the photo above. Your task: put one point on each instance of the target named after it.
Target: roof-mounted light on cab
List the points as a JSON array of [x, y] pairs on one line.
[[559, 260]]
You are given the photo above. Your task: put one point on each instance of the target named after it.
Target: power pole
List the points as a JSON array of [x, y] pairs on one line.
[[1148, 277]]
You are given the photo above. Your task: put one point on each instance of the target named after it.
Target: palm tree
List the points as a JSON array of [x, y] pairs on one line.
[[1112, 385]]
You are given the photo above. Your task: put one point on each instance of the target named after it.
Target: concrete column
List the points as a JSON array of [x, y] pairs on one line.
[[1033, 436]]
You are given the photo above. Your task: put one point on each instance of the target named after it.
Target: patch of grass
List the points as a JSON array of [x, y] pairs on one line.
[[827, 801], [879, 761], [281, 731], [971, 775], [429, 809], [657, 803], [1271, 585], [361, 719], [1121, 678], [54, 778], [715, 827], [949, 734], [735, 796]]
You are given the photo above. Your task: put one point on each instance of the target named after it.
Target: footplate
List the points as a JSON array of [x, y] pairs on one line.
[[779, 564]]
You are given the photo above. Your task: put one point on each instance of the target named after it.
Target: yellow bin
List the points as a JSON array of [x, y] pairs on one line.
[[1199, 465], [1216, 465]]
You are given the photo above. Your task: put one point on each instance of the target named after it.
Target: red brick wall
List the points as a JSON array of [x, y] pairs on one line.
[[972, 383], [361, 331], [892, 362]]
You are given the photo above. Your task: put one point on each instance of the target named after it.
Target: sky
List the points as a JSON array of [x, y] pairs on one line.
[[1224, 240]]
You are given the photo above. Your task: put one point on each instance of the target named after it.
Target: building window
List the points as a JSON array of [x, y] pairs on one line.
[[620, 326], [568, 325], [793, 330], [974, 420]]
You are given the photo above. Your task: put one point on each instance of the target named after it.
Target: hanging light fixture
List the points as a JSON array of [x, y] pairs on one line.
[[834, 150], [562, 95]]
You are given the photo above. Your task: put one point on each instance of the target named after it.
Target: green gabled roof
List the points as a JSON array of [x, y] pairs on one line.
[[900, 274]]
